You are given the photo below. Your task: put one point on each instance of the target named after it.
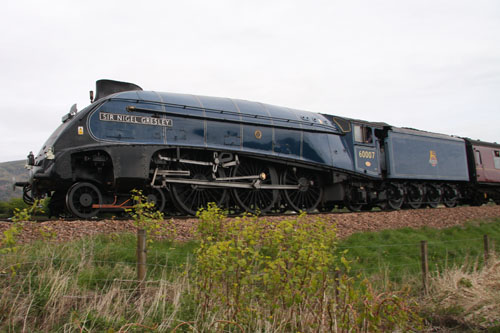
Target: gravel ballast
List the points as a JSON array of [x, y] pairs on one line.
[[347, 223]]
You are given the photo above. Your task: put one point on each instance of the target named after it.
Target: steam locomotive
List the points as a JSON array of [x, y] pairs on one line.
[[184, 151]]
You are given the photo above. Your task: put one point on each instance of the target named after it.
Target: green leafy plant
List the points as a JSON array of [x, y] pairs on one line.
[[267, 273], [210, 222], [147, 217], [8, 243], [26, 214]]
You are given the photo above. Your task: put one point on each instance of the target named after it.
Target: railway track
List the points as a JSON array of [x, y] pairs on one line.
[[346, 223], [185, 217]]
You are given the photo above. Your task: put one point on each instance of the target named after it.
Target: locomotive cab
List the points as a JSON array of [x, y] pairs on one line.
[[366, 149]]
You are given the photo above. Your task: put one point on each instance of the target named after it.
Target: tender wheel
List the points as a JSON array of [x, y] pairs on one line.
[[395, 196], [450, 196], [191, 197], [80, 199], [310, 191], [433, 194], [414, 196], [156, 196], [256, 200], [352, 200]]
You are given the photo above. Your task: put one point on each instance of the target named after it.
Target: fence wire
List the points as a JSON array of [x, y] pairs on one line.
[[22, 269]]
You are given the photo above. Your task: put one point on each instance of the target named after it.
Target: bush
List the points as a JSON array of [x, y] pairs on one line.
[[283, 275]]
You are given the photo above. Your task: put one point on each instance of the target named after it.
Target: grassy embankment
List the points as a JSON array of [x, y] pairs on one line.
[[89, 284]]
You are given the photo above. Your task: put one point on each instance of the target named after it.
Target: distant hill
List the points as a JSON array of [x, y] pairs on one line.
[[8, 170]]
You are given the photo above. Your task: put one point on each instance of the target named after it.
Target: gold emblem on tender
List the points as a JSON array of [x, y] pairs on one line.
[[433, 158], [258, 134]]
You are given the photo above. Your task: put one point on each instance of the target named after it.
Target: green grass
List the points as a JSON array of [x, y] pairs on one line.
[[104, 267], [106, 258], [395, 255]]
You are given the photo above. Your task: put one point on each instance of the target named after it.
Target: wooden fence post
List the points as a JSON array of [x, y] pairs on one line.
[[486, 249], [337, 285], [425, 265], [141, 258]]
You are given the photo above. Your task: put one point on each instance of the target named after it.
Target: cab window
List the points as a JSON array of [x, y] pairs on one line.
[[363, 134]]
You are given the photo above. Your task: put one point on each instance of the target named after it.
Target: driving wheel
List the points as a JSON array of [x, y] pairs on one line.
[[256, 200], [307, 197], [191, 197]]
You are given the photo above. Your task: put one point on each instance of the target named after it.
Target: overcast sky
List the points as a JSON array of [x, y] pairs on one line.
[[432, 65]]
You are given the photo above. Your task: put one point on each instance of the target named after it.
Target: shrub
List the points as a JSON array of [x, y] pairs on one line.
[[282, 275]]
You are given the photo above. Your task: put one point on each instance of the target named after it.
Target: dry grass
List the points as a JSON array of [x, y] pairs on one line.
[[466, 297], [51, 295], [72, 309]]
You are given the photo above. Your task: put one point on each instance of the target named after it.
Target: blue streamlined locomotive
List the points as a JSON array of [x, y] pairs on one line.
[[185, 151]]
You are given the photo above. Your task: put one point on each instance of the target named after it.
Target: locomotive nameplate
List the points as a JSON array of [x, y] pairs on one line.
[[139, 120]]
